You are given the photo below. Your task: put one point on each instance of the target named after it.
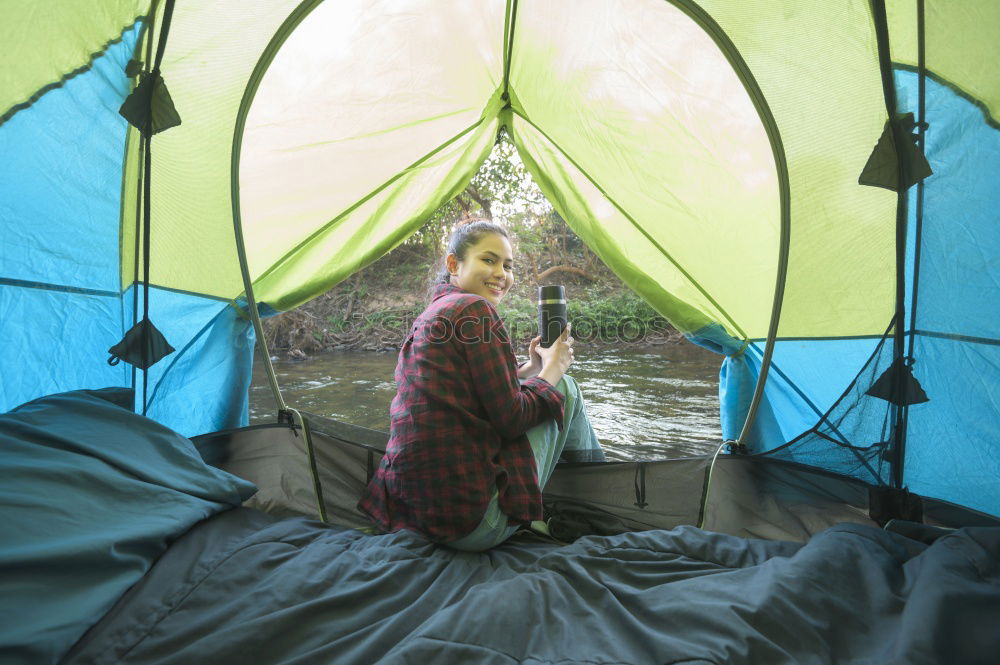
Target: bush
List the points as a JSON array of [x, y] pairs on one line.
[[601, 318]]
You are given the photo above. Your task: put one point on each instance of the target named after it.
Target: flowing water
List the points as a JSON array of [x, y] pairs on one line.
[[646, 404]]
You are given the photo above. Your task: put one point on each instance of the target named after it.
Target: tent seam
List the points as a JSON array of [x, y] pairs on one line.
[[510, 19], [61, 288], [82, 69], [953, 87], [957, 337]]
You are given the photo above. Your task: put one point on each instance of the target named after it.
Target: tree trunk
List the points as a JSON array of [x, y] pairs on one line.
[[483, 202], [534, 268], [564, 268]]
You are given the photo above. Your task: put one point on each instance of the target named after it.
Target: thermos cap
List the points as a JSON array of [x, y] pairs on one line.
[[552, 294]]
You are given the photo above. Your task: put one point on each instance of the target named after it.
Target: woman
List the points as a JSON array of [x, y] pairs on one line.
[[474, 437]]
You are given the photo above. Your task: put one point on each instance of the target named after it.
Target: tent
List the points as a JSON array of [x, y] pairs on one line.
[[807, 188], [733, 163]]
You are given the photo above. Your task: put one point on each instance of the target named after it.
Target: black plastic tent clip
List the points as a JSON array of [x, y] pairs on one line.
[[898, 386], [149, 107], [882, 167], [143, 346]]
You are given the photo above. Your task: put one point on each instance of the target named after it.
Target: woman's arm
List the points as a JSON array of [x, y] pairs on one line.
[[511, 407]]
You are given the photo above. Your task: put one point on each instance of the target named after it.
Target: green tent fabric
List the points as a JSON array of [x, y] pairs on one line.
[[709, 152]]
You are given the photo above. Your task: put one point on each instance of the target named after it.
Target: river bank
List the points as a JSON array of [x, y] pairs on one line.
[[374, 309]]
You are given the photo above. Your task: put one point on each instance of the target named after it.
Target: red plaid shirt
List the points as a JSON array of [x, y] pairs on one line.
[[458, 424]]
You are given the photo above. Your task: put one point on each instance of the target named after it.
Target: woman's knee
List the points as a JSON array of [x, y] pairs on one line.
[[567, 384]]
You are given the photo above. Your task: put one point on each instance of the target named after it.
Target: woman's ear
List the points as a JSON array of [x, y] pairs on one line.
[[451, 263]]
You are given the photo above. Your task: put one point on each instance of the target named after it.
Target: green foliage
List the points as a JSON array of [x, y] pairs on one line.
[[618, 317], [337, 322], [520, 315], [506, 184], [503, 191], [603, 318]]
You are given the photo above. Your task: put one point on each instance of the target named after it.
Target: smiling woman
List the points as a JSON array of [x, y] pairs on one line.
[[473, 437]]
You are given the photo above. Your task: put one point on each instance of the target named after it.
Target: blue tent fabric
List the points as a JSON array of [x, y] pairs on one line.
[[853, 436], [805, 378], [62, 170], [62, 300], [39, 347], [60, 289], [951, 447], [957, 463], [818, 371], [204, 385], [195, 398], [956, 351]]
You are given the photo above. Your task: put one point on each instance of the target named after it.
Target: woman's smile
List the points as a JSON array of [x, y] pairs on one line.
[[496, 288]]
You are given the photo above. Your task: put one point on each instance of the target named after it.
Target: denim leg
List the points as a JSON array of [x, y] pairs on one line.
[[576, 442], [492, 530]]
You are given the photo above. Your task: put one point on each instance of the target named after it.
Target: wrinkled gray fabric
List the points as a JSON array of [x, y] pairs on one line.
[[244, 587]]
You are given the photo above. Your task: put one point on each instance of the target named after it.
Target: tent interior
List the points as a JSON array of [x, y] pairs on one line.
[[806, 188]]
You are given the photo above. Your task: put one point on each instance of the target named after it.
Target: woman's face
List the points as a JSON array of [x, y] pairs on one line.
[[486, 270]]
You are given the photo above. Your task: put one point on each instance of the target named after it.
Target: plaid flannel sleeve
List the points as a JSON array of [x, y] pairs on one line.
[[513, 408]]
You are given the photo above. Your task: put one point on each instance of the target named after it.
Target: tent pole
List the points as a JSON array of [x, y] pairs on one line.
[[918, 222], [286, 28], [919, 211], [732, 54], [258, 327], [742, 70], [902, 187]]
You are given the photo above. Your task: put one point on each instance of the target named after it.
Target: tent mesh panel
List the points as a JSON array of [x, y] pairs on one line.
[[853, 438]]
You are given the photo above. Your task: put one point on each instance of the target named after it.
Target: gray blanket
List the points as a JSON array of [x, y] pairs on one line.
[[244, 588]]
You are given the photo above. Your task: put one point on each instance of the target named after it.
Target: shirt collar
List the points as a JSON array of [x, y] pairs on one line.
[[442, 290]]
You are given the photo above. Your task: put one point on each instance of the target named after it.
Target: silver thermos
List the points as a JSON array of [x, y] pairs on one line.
[[551, 313]]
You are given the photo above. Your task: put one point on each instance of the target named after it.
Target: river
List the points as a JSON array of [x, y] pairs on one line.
[[653, 403]]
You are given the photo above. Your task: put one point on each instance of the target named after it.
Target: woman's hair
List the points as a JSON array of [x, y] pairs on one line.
[[461, 239]]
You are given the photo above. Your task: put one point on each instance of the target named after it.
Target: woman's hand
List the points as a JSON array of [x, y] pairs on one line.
[[534, 364], [557, 358]]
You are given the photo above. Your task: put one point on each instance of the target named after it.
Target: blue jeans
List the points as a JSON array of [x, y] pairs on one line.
[[577, 440]]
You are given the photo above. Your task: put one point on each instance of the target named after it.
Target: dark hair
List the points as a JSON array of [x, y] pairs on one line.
[[461, 239]]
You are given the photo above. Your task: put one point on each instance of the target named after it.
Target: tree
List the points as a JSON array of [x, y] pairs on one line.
[[503, 190]]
